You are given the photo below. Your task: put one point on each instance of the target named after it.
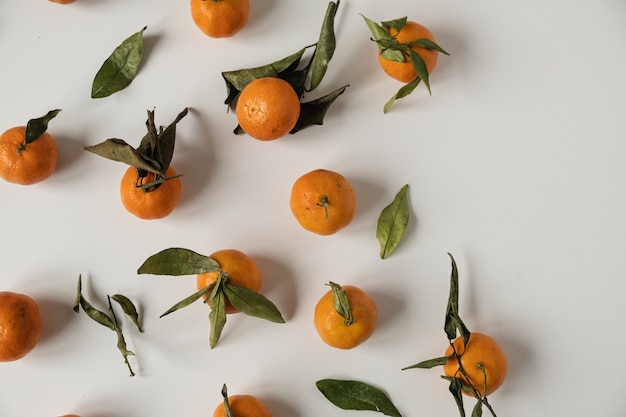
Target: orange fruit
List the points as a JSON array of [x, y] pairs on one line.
[[27, 164], [62, 2], [243, 406], [268, 108], [153, 203], [239, 267], [20, 325], [323, 201], [69, 415], [481, 358], [404, 71], [220, 18], [334, 329]]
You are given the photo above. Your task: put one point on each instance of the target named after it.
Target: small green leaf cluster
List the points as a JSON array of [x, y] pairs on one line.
[[120, 68], [153, 155], [390, 48], [290, 70], [37, 127], [110, 320], [181, 261], [454, 326]]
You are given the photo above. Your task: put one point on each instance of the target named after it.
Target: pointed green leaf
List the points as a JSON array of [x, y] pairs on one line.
[[177, 262], [453, 321], [387, 45], [36, 127], [238, 79], [378, 32], [120, 68], [189, 300], [252, 303], [428, 44], [120, 151], [227, 408], [392, 223], [430, 363], [325, 48], [129, 309], [341, 303], [477, 411], [420, 67], [217, 316], [166, 141], [313, 112], [357, 395], [404, 91], [93, 313], [456, 389]]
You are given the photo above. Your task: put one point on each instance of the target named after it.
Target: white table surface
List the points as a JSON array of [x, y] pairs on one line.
[[515, 166]]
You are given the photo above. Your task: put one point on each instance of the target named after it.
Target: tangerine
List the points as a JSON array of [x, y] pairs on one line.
[[27, 163], [240, 269], [482, 360], [220, 18], [404, 71], [243, 406], [268, 108], [62, 2], [323, 201], [153, 202], [341, 331], [20, 325]]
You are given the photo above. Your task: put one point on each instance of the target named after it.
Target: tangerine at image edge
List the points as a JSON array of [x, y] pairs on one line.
[[20, 325]]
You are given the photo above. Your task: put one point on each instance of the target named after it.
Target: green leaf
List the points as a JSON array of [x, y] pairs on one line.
[[238, 79], [456, 389], [453, 321], [121, 342], [159, 145], [188, 300], [325, 48], [313, 112], [120, 68], [36, 127], [97, 315], [341, 303], [428, 44], [252, 303], [395, 24], [420, 67], [387, 45], [177, 262], [129, 309], [430, 363], [404, 91], [217, 316], [392, 223], [477, 411], [357, 395], [120, 151], [227, 408]]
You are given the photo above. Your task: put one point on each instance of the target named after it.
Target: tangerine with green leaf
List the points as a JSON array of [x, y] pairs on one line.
[[20, 325], [483, 361], [411, 32], [323, 201], [240, 269], [228, 281], [29, 154], [268, 108], [241, 405], [147, 198], [150, 188], [345, 316], [220, 18]]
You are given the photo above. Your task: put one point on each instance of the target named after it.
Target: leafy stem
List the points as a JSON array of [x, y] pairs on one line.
[[341, 303]]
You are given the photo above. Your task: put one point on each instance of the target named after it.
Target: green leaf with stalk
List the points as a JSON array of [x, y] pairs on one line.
[[325, 48], [110, 321], [181, 261], [341, 303], [37, 127], [153, 155]]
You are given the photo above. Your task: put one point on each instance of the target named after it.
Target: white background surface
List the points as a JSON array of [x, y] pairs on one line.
[[515, 166]]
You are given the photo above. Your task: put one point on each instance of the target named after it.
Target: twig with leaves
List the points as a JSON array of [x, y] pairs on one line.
[[110, 321]]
